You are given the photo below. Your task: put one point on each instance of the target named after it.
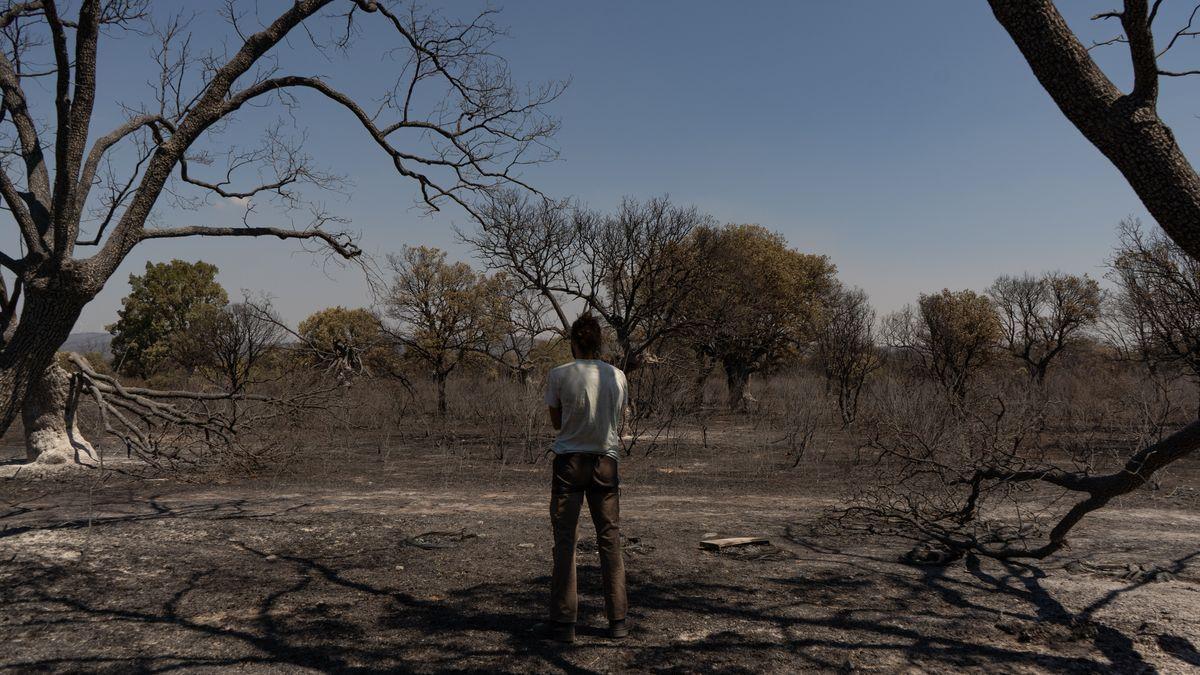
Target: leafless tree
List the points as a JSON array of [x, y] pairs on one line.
[[521, 326], [1041, 317], [452, 121], [631, 268], [1158, 299], [1125, 329], [533, 241], [637, 269], [1126, 128], [231, 346], [959, 472], [846, 349]]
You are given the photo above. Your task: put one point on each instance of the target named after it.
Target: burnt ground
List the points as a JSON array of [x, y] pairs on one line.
[[421, 561]]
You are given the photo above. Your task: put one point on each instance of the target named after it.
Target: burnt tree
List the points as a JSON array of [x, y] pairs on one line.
[[459, 127], [632, 268], [1043, 317], [1125, 126]]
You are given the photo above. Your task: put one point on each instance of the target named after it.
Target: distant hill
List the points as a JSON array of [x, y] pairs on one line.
[[88, 342]]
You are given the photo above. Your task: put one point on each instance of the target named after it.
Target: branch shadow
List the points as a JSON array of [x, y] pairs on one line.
[[242, 605]]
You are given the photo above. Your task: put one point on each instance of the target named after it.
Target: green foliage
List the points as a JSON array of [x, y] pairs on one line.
[[756, 300], [354, 339], [444, 311], [757, 295], [955, 333], [163, 303], [959, 320]]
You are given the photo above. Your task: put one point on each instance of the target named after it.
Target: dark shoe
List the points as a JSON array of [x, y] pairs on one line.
[[618, 629], [560, 632]]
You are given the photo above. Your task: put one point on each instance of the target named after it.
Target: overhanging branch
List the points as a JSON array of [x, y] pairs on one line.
[[341, 243]]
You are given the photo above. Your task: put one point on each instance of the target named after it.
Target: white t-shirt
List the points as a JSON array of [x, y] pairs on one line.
[[592, 396]]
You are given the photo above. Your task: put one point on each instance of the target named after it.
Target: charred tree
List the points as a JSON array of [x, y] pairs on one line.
[[1126, 128], [78, 219], [51, 433]]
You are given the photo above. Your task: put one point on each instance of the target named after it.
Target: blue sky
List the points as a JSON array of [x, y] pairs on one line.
[[907, 141]]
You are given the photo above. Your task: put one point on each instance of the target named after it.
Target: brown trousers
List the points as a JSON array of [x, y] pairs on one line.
[[578, 476]]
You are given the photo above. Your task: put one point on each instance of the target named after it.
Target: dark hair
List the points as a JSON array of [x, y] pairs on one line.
[[586, 335]]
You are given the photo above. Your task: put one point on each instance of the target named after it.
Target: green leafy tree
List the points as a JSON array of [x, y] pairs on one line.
[[163, 304], [952, 335], [444, 311], [347, 340], [755, 298]]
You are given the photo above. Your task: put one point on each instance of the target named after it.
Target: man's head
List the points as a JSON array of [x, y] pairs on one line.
[[586, 338]]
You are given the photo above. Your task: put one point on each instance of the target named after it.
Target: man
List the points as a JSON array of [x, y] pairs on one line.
[[586, 399]]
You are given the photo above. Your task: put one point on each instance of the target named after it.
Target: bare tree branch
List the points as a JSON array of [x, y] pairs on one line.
[[339, 242], [464, 130], [101, 146]]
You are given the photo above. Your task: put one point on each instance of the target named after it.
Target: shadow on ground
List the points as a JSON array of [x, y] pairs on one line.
[[278, 584]]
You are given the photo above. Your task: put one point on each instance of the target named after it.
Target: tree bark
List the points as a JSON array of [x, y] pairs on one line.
[[51, 434], [1124, 127], [848, 393], [737, 381], [47, 319], [441, 394], [704, 368]]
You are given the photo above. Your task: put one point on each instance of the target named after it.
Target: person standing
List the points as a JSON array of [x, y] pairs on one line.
[[587, 398]]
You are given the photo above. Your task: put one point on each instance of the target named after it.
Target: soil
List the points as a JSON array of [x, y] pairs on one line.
[[418, 561]]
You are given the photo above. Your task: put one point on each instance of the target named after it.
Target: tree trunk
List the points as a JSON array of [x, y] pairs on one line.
[[704, 368], [848, 401], [441, 395], [628, 361], [1196, 383], [51, 434], [45, 324], [1125, 128], [737, 380]]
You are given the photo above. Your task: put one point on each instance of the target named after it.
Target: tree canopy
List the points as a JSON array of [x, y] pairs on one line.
[[163, 304], [755, 296], [443, 311], [350, 340]]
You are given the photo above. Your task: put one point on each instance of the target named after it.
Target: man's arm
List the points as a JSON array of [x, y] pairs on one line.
[[553, 402]]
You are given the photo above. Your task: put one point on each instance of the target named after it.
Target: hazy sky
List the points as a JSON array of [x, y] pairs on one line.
[[906, 140]]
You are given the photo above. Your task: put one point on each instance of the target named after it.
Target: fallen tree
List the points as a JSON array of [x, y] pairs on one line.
[[990, 472], [172, 428]]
